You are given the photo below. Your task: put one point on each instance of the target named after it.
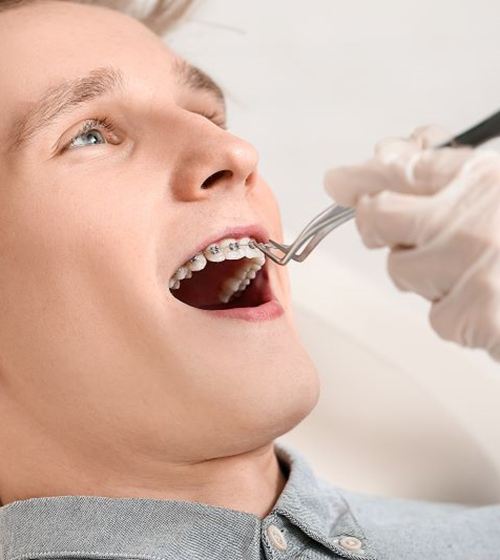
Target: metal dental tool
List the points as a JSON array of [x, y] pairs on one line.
[[336, 215]]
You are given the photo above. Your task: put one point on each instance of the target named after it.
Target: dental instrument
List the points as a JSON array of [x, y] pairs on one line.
[[335, 215]]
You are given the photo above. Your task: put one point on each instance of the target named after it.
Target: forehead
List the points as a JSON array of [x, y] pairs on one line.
[[53, 41]]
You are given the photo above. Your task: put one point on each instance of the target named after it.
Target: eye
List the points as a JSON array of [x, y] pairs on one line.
[[93, 132], [217, 117], [93, 136]]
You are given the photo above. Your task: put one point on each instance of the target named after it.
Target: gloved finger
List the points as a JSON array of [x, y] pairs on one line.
[[423, 172], [428, 169], [431, 135], [433, 170], [458, 227], [408, 224], [423, 137], [419, 270], [347, 184], [494, 351], [470, 313], [388, 150], [441, 250], [394, 219]]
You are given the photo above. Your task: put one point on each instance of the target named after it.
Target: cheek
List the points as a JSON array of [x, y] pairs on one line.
[[269, 210], [83, 228], [270, 214]]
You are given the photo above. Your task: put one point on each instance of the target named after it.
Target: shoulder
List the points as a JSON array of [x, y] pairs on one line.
[[404, 528]]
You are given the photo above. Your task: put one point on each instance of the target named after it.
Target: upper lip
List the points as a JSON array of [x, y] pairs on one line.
[[255, 231]]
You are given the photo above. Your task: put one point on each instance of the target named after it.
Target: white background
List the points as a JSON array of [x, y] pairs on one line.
[[316, 84]]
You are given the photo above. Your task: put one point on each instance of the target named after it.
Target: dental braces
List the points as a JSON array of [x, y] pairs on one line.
[[215, 249]]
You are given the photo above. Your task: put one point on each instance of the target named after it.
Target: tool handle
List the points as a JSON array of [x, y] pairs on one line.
[[478, 134]]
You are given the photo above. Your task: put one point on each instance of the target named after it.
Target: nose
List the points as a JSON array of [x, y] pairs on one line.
[[212, 161]]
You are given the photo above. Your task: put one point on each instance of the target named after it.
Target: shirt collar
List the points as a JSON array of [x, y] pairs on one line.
[[93, 526]]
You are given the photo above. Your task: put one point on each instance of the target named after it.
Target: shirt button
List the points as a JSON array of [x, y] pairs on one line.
[[350, 543], [276, 537]]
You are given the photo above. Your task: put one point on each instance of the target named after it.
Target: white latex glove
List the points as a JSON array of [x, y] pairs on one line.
[[439, 213]]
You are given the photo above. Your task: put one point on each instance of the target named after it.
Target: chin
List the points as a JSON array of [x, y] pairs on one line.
[[302, 402], [293, 394], [248, 405]]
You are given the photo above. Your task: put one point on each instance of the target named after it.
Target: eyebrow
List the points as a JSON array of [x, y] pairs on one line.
[[62, 98], [194, 78], [71, 94]]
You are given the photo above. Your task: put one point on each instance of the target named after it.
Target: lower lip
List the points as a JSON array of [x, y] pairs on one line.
[[267, 311]]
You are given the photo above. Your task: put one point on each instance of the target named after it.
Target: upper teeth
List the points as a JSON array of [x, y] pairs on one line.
[[227, 249]]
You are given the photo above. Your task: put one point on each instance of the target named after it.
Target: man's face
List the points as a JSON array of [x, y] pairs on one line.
[[94, 347]]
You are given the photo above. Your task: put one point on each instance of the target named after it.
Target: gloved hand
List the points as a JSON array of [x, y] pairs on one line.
[[438, 211]]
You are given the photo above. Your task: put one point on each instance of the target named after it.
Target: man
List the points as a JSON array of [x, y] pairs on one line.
[[138, 411]]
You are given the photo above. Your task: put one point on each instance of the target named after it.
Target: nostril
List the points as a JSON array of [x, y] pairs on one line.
[[209, 181]]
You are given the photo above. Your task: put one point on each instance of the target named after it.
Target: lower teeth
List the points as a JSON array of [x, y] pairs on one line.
[[232, 288]]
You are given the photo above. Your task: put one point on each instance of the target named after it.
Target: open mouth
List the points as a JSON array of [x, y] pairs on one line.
[[225, 275]]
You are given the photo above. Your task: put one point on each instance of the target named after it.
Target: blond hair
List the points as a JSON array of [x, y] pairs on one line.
[[160, 17]]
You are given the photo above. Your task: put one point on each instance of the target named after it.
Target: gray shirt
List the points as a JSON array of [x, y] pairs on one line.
[[311, 520]]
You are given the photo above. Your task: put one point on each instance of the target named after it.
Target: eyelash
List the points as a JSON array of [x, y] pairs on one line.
[[105, 124], [100, 124], [216, 118]]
